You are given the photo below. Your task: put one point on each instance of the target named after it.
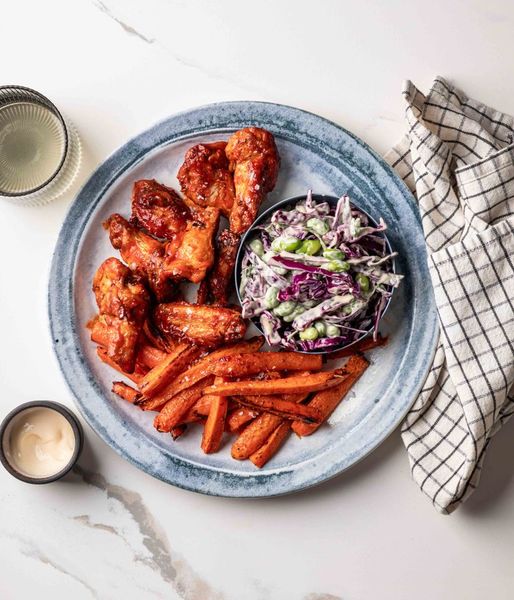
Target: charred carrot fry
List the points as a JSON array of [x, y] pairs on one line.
[[175, 363], [240, 416], [257, 432], [200, 370], [177, 431], [150, 356], [175, 409], [243, 365], [363, 346], [297, 384], [124, 391], [327, 400], [102, 354], [272, 444], [282, 408], [215, 424]]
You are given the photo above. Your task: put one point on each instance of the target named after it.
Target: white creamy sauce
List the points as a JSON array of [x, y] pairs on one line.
[[40, 443]]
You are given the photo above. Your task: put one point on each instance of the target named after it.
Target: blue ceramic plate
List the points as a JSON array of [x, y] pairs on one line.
[[315, 154]]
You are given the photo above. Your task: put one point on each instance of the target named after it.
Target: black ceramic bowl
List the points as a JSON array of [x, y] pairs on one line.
[[288, 204], [5, 429]]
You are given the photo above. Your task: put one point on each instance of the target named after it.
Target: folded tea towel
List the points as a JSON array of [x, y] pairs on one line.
[[458, 160]]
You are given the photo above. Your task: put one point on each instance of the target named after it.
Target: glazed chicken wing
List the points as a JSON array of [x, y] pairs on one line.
[[220, 276], [207, 326], [122, 301], [142, 253], [191, 253], [255, 161], [205, 177], [158, 209]]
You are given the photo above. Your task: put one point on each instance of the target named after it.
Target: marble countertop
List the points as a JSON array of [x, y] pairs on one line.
[[109, 531]]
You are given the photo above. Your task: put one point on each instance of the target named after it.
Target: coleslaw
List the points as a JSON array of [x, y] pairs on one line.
[[317, 277]]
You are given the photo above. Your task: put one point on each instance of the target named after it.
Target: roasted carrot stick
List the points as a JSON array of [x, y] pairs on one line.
[[201, 369], [327, 400], [150, 356], [175, 409], [297, 384], [240, 416], [124, 391], [175, 363], [363, 346], [240, 365], [272, 444], [257, 432], [177, 431], [283, 408], [102, 354], [215, 424]]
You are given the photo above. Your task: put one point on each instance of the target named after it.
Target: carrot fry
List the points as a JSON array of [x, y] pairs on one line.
[[174, 363], [215, 424], [283, 408], [177, 431], [124, 391], [240, 416], [102, 354], [201, 369], [327, 400], [363, 346], [273, 443], [257, 432], [239, 365], [175, 409], [150, 356], [297, 384]]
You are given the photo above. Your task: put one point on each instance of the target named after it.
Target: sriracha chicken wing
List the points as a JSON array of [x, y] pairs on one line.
[[142, 253], [158, 209], [220, 276], [205, 177], [191, 253], [207, 326], [255, 161], [122, 301]]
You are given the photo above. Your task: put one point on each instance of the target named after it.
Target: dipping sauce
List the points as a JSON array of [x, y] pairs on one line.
[[39, 442]]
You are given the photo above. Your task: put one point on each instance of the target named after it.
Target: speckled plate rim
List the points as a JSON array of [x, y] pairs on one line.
[[339, 146]]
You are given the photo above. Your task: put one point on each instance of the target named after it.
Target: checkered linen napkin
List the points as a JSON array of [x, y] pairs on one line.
[[458, 160]]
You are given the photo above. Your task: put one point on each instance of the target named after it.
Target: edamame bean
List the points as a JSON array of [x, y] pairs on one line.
[[257, 247], [333, 331], [333, 254], [320, 328], [309, 247], [284, 308], [337, 266], [288, 244], [296, 312], [363, 282], [318, 226], [271, 298], [311, 333]]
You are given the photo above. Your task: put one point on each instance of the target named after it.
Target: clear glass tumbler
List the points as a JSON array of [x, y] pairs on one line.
[[40, 152]]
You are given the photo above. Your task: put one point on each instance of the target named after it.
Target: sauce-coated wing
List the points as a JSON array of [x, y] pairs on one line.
[[158, 209], [220, 276], [191, 253], [122, 301], [207, 326], [205, 177], [255, 161], [142, 253]]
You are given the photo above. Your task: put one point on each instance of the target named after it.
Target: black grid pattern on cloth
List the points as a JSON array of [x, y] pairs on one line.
[[458, 160]]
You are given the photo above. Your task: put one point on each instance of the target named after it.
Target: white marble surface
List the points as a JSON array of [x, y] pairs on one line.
[[109, 531]]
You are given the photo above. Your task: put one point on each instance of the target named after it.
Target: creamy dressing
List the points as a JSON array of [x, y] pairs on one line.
[[40, 442]]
